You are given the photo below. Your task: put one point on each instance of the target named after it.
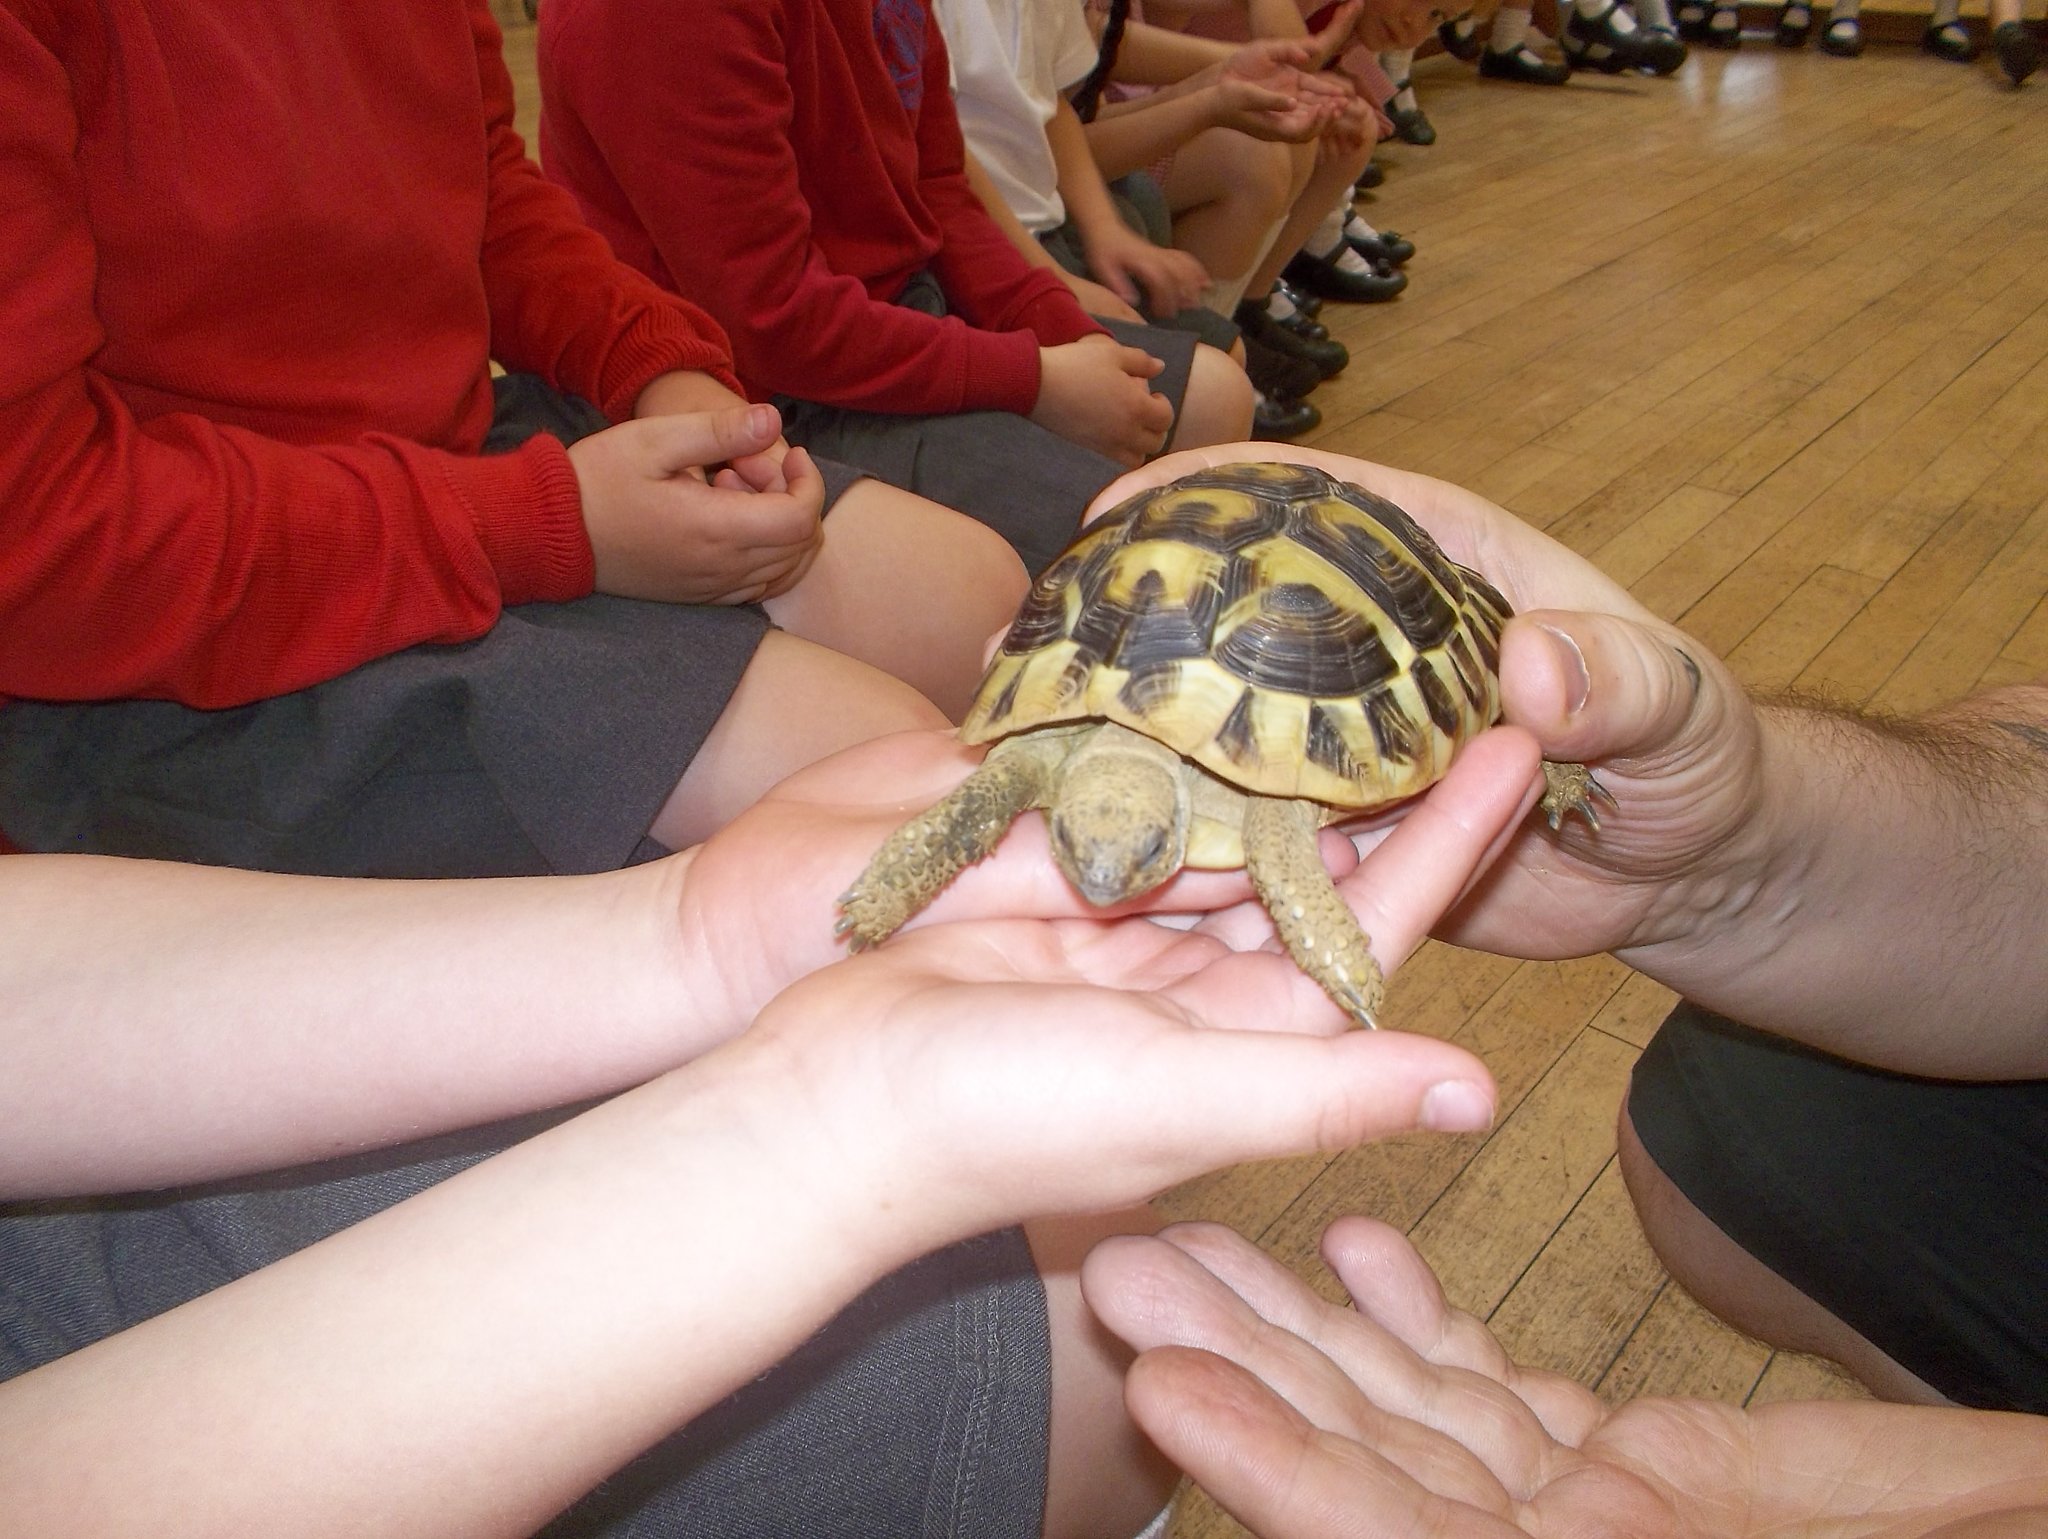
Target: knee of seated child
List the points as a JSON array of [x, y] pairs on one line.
[[1219, 402]]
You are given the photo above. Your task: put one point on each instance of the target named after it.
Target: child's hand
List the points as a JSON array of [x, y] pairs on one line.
[[664, 526]]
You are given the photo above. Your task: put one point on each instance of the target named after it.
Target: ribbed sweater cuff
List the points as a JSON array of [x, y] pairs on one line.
[[529, 516], [661, 344]]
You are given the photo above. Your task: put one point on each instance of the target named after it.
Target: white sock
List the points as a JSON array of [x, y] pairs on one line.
[[1620, 21], [1279, 306], [1509, 29], [1156, 1529], [1464, 25], [1397, 64], [1944, 14], [1328, 243]]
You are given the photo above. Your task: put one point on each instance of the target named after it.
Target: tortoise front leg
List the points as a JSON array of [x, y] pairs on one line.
[[922, 856], [1569, 788], [1315, 923]]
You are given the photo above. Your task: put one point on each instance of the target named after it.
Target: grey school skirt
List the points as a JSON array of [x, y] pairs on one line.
[[546, 746]]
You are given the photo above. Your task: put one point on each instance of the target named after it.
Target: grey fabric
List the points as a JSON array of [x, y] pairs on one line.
[[921, 1410], [545, 746], [1219, 331], [1029, 485], [1911, 1209]]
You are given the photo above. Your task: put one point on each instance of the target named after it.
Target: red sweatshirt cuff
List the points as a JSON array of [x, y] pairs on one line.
[[661, 342], [529, 517], [1002, 372], [1056, 317]]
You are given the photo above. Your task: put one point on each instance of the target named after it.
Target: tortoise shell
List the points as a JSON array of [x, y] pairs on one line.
[[1291, 634]]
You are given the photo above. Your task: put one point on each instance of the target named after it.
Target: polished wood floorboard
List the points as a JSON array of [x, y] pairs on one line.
[[1767, 342]]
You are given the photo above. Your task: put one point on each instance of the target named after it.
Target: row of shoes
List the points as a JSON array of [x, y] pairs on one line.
[[1288, 355], [1588, 42], [1720, 26]]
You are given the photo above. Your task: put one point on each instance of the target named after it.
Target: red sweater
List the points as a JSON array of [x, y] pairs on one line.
[[254, 260], [789, 164]]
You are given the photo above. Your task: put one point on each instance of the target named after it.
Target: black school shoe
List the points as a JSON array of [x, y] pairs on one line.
[[1949, 41], [1795, 25], [1523, 66], [1322, 276], [1380, 246], [1256, 323], [1278, 375], [1410, 126], [1280, 417], [1596, 43], [1459, 45], [2018, 54], [1842, 37]]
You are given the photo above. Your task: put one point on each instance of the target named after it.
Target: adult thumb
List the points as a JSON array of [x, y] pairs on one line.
[[691, 439], [1595, 687]]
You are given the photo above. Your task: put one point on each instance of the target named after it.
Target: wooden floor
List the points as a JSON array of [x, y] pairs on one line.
[[1767, 341]]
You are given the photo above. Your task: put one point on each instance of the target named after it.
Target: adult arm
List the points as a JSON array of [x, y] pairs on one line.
[[1400, 1414], [1877, 888]]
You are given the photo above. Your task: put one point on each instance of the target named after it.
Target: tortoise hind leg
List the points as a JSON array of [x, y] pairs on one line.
[[922, 856], [1569, 788], [1315, 923]]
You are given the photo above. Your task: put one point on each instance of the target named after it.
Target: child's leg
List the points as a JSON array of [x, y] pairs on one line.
[[796, 703], [1328, 185], [1229, 192], [1103, 1478], [1217, 408], [909, 587]]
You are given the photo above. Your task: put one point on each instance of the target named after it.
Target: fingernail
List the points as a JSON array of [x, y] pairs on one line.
[[1578, 683], [1457, 1106], [758, 419]]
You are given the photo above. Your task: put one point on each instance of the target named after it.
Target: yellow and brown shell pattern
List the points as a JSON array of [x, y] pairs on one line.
[[1292, 634]]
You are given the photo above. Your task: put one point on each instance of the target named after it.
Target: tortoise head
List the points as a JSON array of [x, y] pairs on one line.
[[1118, 815]]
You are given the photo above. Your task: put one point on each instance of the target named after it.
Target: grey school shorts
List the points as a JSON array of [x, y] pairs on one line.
[[545, 746], [1914, 1210], [921, 1410], [1026, 483]]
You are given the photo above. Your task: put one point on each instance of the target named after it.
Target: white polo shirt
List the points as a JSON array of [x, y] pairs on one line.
[[1012, 60]]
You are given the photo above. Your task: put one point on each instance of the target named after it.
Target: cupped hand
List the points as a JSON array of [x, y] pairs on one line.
[[697, 509], [757, 904], [976, 1073], [1597, 679], [1404, 1415]]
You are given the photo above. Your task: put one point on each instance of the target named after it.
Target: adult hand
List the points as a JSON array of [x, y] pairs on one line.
[[756, 905], [696, 509], [1093, 392], [1404, 1415], [1163, 278], [1597, 679]]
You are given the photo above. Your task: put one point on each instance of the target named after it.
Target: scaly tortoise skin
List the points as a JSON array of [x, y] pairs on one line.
[[1210, 673]]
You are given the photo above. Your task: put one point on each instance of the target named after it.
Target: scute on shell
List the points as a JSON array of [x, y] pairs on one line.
[[1290, 633]]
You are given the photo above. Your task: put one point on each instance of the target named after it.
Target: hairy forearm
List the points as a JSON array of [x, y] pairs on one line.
[[472, 1360], [1891, 899], [173, 1023]]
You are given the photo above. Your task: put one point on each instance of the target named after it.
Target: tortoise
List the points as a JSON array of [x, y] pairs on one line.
[[1206, 676]]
